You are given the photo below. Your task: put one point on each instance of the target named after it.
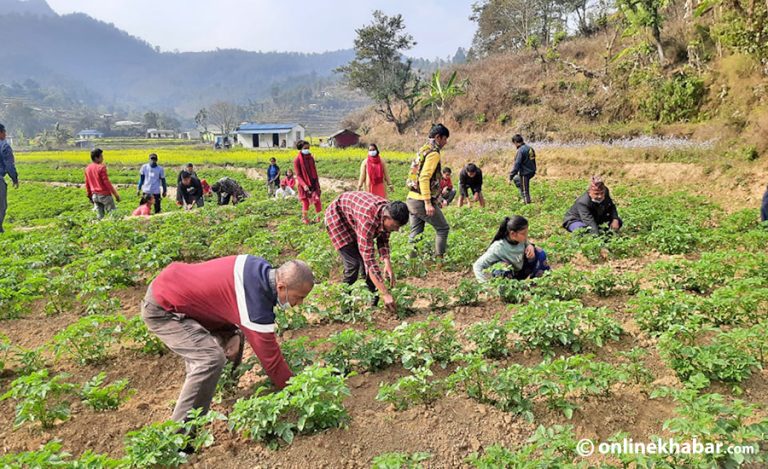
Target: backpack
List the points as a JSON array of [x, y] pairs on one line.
[[412, 182]]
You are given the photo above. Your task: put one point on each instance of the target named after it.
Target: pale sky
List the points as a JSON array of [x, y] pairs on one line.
[[438, 26]]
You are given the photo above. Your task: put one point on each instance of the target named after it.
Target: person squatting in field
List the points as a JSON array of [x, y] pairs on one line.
[[287, 186], [204, 312], [594, 208], [151, 178], [424, 190], [189, 192], [374, 177], [98, 187], [358, 223], [226, 190], [309, 182], [524, 168], [447, 192], [471, 179], [145, 206], [511, 247]]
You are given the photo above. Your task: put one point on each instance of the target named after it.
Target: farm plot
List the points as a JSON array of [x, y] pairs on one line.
[[659, 331]]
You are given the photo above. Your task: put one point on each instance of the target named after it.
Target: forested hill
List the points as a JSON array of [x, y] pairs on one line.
[[79, 54]]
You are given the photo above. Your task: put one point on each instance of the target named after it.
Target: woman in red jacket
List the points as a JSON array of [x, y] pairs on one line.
[[309, 182]]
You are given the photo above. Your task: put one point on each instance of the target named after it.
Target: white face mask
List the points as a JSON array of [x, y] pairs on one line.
[[283, 306], [373, 153], [305, 152], [597, 201]]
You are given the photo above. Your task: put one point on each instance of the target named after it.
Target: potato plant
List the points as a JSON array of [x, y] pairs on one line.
[[547, 447], [544, 325], [423, 343], [417, 388], [40, 398], [399, 460], [312, 401], [99, 396], [87, 341], [490, 338], [52, 455]]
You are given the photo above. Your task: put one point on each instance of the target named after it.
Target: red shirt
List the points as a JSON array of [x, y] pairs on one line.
[[288, 182], [445, 182], [224, 293], [142, 211], [357, 217], [97, 180]]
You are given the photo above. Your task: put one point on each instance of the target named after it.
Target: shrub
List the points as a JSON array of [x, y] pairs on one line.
[[40, 398], [99, 396]]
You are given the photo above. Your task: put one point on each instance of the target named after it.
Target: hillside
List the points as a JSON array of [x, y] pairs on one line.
[[77, 52], [600, 88]]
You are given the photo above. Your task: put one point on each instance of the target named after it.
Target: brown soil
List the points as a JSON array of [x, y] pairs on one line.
[[450, 429]]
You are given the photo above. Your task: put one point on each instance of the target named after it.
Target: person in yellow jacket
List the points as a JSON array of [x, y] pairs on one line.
[[424, 190]]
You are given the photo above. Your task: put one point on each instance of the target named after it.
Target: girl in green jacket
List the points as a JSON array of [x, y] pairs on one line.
[[510, 246]]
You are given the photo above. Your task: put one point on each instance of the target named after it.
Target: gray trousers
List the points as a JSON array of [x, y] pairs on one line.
[[437, 220], [3, 201], [104, 204], [201, 350]]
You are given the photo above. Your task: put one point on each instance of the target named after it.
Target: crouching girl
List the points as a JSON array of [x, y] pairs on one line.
[[511, 247]]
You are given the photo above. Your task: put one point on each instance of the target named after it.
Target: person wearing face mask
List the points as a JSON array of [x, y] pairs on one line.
[[358, 223], [309, 182], [594, 208], [511, 247], [204, 313], [424, 190], [151, 178], [373, 173]]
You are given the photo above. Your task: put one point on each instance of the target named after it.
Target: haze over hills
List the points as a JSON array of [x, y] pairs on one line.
[[99, 64]]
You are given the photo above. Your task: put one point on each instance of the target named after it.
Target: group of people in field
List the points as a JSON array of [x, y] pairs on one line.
[[206, 312], [191, 190]]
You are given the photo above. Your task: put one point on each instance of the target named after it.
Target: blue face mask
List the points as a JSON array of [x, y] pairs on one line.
[[305, 152]]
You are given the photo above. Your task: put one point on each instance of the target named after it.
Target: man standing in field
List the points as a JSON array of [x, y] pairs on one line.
[[424, 189], [524, 168], [98, 187], [471, 178], [151, 178], [273, 177], [7, 166], [202, 311], [358, 223]]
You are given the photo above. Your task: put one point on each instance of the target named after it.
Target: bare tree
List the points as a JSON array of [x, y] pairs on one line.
[[224, 115]]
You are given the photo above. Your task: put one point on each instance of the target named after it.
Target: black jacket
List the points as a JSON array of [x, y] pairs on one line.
[[189, 194], [525, 162], [591, 213]]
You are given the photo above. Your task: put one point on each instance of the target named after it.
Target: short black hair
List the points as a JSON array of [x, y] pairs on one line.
[[472, 168], [2, 128], [96, 153], [447, 170], [215, 187], [398, 211], [272, 159], [186, 174], [300, 144], [153, 156], [439, 130], [190, 165], [517, 138]]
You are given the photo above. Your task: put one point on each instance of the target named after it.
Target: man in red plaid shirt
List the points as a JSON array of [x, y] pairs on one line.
[[357, 220]]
